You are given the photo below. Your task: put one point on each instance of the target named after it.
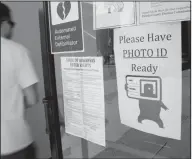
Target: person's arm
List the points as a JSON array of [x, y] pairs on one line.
[[30, 95], [27, 78]]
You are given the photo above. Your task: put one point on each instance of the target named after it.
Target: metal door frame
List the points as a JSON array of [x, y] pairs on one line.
[[50, 101]]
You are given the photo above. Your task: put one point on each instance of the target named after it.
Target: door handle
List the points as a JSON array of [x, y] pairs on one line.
[[46, 102]]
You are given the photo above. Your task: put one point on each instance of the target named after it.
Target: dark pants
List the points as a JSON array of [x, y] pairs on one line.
[[26, 153]]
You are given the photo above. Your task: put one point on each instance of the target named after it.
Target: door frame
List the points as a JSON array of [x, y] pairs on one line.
[[51, 101]]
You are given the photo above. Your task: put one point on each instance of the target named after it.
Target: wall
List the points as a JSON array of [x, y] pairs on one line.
[[27, 33]]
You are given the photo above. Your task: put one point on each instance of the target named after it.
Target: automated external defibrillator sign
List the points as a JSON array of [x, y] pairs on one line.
[[66, 29], [148, 63]]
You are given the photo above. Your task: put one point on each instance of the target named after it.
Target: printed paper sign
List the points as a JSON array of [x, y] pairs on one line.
[[66, 29], [113, 14], [148, 66], [149, 12], [83, 90]]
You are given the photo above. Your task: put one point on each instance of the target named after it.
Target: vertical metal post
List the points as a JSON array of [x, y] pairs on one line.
[[50, 86], [84, 145]]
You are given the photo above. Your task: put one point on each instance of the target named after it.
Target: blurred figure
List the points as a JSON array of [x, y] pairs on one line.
[[18, 92]]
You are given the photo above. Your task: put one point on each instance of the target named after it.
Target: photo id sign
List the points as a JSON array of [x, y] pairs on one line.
[[148, 65]]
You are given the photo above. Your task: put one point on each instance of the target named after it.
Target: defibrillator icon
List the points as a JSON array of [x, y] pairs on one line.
[[64, 12], [63, 9]]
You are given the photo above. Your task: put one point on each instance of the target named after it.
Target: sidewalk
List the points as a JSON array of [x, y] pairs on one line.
[[137, 144], [126, 142]]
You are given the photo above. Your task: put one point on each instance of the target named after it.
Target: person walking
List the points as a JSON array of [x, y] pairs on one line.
[[18, 92]]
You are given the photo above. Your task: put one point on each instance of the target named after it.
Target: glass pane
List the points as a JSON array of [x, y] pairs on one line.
[[72, 145], [122, 141]]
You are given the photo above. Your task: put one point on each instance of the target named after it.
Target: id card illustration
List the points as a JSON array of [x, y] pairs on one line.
[[148, 90]]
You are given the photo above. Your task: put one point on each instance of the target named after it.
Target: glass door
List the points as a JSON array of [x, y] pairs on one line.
[[73, 146], [121, 141]]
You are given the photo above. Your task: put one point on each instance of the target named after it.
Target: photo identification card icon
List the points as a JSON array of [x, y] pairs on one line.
[[148, 90], [63, 12], [140, 87]]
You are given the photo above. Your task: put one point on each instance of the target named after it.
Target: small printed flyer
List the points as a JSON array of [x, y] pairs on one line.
[[155, 12], [113, 14], [83, 93]]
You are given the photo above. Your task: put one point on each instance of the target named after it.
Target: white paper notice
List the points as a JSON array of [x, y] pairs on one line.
[[113, 14], [83, 90], [148, 64], [151, 12]]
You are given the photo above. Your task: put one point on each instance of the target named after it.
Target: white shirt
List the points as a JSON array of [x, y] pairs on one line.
[[17, 73]]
